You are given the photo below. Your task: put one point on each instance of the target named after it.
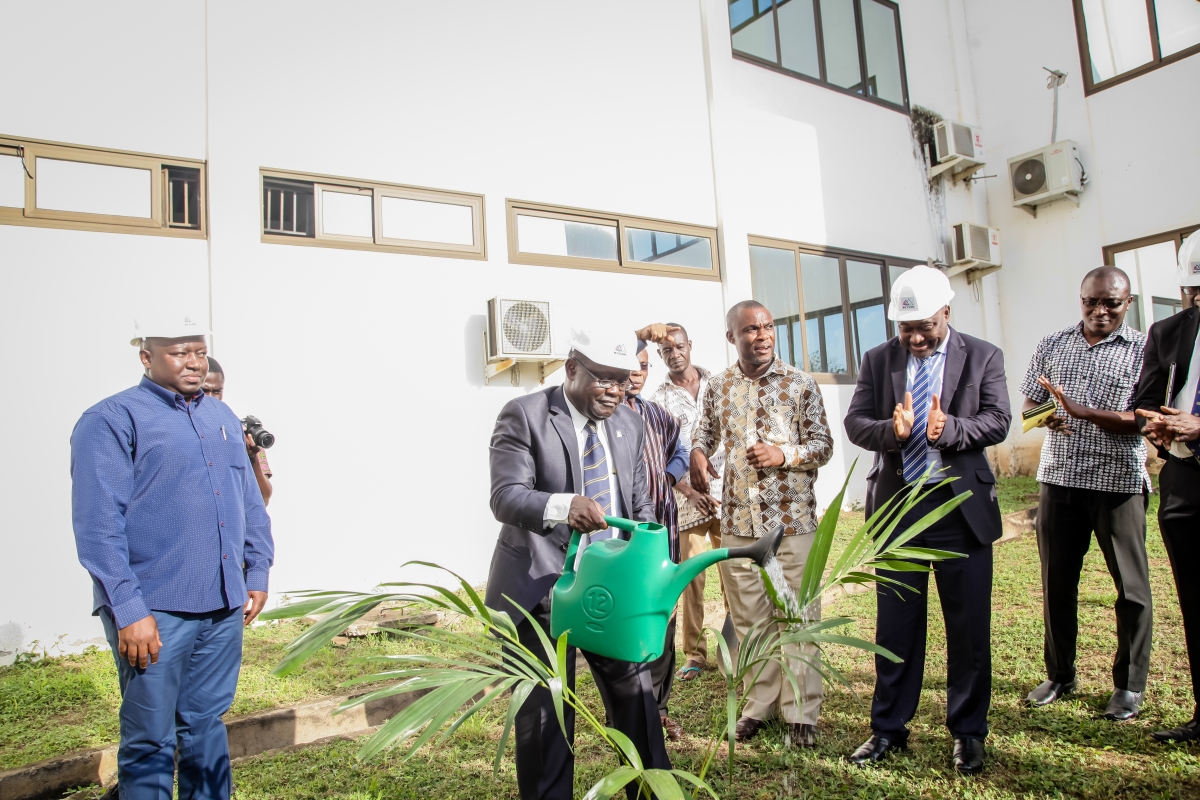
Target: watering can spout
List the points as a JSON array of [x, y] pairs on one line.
[[758, 552], [767, 545]]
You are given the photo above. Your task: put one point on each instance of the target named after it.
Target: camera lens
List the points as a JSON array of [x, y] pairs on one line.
[[264, 439]]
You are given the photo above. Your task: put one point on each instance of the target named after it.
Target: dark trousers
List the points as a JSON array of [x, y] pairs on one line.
[[1067, 517], [965, 589], [172, 710], [662, 670], [1179, 520], [545, 765]]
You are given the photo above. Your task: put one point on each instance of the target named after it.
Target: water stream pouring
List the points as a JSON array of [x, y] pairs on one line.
[[617, 603]]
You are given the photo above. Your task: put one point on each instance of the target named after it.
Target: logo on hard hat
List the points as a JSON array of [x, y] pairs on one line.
[[620, 350], [1195, 265], [908, 304]]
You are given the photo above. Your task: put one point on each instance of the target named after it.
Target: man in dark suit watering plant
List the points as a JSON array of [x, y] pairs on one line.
[[561, 460], [931, 399]]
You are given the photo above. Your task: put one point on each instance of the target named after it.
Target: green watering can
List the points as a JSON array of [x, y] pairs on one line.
[[617, 604]]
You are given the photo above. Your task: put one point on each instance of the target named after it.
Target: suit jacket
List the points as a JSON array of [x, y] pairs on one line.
[[1170, 341], [534, 454], [975, 399]]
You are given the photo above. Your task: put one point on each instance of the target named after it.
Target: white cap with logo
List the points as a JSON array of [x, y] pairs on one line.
[[1189, 261], [919, 293], [607, 348], [169, 325]]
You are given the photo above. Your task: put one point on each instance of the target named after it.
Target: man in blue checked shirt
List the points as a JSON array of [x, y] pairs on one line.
[[170, 523]]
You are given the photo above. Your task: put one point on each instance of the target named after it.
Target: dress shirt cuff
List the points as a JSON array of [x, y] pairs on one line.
[[792, 456], [130, 611], [256, 579], [677, 470], [558, 507]]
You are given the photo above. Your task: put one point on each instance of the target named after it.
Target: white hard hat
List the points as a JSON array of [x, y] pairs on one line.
[[169, 325], [1189, 261], [919, 293], [608, 348]]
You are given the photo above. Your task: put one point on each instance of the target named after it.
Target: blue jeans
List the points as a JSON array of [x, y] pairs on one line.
[[176, 705]]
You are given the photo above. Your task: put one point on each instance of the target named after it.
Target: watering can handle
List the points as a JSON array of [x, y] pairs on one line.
[[619, 523]]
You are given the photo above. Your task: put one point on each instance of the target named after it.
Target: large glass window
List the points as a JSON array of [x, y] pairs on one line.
[[834, 42], [46, 184], [829, 306], [553, 236], [1119, 39], [319, 210], [1150, 264]]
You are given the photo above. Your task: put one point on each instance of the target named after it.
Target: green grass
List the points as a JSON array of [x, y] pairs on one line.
[[55, 705], [1063, 751]]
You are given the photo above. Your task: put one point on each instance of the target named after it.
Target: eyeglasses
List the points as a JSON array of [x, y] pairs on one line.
[[1111, 303], [624, 386]]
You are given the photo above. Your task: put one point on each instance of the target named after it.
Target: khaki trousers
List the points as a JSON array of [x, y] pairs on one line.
[[691, 543], [771, 694]]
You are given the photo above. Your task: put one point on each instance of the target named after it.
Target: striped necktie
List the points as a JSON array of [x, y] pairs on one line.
[[1194, 446], [916, 449], [596, 469]]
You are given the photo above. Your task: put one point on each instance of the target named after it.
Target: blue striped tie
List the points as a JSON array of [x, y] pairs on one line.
[[916, 449], [1194, 446], [596, 484]]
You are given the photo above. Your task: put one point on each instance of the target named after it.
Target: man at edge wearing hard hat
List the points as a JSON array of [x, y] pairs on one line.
[[171, 526], [930, 400], [1167, 403], [562, 459]]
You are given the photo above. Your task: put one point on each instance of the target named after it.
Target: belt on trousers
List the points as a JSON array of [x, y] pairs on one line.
[[1191, 462]]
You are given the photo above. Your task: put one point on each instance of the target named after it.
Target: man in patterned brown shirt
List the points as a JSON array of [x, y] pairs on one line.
[[771, 417]]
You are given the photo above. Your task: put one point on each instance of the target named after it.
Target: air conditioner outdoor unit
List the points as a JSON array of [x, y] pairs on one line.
[[974, 248], [519, 331], [955, 140], [958, 150], [1045, 175]]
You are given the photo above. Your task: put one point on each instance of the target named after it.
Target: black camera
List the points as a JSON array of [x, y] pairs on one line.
[[258, 434]]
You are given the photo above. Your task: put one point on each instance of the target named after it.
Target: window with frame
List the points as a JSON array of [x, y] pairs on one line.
[[831, 42], [829, 305], [53, 185], [556, 236], [326, 211], [1121, 39], [1151, 264]]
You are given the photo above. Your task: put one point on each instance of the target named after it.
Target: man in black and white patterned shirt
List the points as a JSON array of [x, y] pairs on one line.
[[1093, 479]]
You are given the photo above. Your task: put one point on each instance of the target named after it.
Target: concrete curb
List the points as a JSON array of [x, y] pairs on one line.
[[274, 730], [1017, 524]]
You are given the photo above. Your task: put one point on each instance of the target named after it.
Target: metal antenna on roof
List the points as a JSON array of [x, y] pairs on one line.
[[1055, 80]]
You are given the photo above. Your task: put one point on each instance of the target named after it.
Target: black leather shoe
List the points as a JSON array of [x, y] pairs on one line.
[[874, 749], [1047, 692], [747, 728], [1188, 732], [967, 758], [1123, 705]]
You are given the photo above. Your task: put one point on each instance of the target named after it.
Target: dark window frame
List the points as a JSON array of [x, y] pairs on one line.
[[1177, 236], [1158, 60], [842, 254], [777, 66]]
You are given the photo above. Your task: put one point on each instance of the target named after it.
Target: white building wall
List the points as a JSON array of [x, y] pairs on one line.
[[67, 298], [368, 366], [1136, 141]]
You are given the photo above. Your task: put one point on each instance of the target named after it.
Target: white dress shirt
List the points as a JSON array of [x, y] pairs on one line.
[[559, 505], [934, 456], [1187, 398]]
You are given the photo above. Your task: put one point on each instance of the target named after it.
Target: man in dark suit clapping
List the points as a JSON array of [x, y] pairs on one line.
[[562, 459], [1171, 374], [933, 398]]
